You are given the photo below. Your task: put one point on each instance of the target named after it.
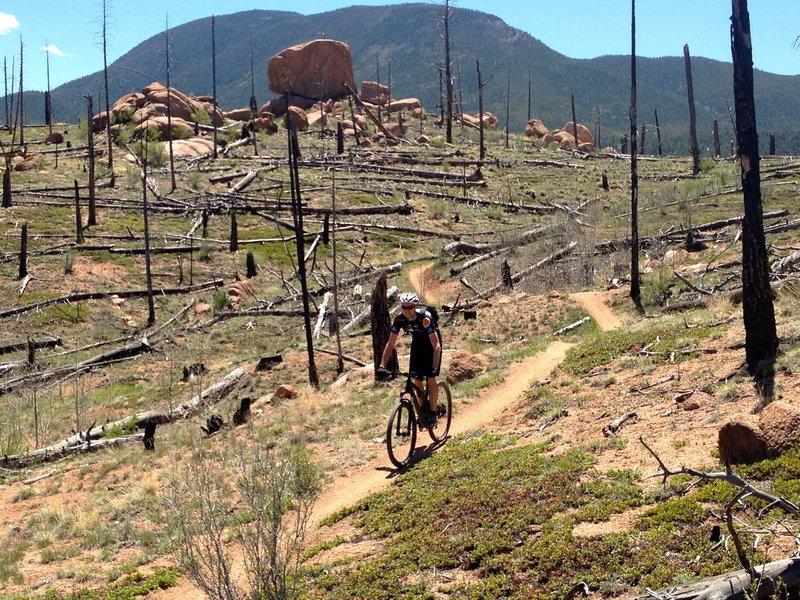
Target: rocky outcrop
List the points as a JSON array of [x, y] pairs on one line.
[[751, 438], [535, 128], [298, 117], [238, 114], [584, 135], [317, 69], [374, 93], [405, 104]]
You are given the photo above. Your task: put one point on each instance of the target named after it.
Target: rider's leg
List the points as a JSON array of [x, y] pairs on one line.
[[420, 391], [433, 393]]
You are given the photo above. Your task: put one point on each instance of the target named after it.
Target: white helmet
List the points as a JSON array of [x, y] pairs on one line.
[[409, 298]]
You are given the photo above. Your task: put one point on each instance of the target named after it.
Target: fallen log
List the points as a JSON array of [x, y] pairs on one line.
[[51, 342], [82, 441], [98, 295], [617, 423]]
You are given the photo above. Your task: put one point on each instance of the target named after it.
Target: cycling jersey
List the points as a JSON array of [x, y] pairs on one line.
[[420, 327]]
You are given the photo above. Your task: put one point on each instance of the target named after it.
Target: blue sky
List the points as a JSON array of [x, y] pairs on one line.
[[576, 28]]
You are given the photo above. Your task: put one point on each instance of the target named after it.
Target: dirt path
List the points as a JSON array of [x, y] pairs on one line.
[[427, 284], [595, 304]]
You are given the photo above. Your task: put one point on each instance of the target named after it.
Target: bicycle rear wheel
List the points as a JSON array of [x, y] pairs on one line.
[[444, 410], [401, 434]]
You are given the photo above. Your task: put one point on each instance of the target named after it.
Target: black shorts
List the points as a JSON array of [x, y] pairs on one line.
[[421, 363]]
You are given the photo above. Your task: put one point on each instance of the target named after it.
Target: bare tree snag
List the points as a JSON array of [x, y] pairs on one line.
[[7, 187], [23, 252], [381, 326], [692, 113], [92, 217], [78, 221], [297, 214], [635, 289], [717, 150], [448, 74], [251, 266], [658, 133], [234, 239], [481, 84], [761, 340]]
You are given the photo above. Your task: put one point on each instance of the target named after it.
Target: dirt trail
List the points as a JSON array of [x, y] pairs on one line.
[[594, 303]]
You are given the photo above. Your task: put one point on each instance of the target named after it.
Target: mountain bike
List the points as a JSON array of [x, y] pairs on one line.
[[410, 414]]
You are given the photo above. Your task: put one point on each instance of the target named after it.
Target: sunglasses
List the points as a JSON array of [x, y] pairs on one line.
[[408, 306]]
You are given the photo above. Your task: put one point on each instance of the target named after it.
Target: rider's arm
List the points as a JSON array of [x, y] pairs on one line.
[[437, 348], [387, 351]]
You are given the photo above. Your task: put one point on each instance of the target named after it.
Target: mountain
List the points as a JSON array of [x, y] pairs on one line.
[[405, 42]]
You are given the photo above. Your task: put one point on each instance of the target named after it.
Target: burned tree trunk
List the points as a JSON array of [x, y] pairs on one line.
[[658, 133], [7, 187], [23, 252], [772, 144], [505, 272], [692, 114], [635, 291], [381, 325], [448, 73], [574, 120], [481, 83], [234, 241], [251, 266], [297, 213], [92, 218], [761, 340], [78, 220]]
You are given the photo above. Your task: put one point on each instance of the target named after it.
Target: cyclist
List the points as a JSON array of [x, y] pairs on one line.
[[426, 347]]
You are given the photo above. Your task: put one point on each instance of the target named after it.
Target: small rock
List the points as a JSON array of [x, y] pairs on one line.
[[202, 308], [285, 391]]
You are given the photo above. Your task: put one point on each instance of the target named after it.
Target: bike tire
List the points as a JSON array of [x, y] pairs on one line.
[[444, 411], [401, 435]]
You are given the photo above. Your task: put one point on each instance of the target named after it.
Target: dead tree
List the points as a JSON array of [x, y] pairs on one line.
[[717, 151], [772, 144], [149, 438], [151, 307], [92, 217], [692, 114], [574, 119], [508, 106], [761, 340], [635, 291], [251, 266], [105, 87], [334, 320], [381, 326], [641, 140], [505, 273], [7, 185], [214, 81], [658, 133], [448, 72], [297, 215], [21, 103], [234, 241], [173, 184], [78, 220], [482, 83], [23, 252]]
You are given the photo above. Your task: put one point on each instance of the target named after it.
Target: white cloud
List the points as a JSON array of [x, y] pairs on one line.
[[7, 23], [53, 49]]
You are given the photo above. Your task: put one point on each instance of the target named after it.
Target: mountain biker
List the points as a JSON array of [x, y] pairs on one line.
[[426, 347]]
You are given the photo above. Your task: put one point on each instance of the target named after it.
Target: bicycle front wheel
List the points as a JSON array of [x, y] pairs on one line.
[[444, 410], [401, 434]]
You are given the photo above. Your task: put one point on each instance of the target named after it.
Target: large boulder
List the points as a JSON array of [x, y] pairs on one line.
[[238, 114], [189, 148], [584, 135], [404, 104], [180, 129], [298, 117], [535, 128], [374, 93], [751, 438], [317, 69]]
